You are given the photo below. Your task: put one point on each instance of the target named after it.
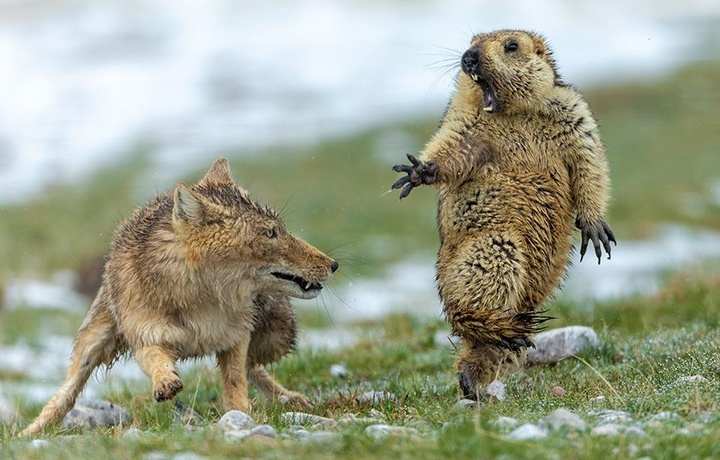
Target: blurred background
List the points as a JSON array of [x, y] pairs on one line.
[[105, 103]]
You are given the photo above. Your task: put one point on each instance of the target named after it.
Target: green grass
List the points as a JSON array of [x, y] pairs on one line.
[[662, 141]]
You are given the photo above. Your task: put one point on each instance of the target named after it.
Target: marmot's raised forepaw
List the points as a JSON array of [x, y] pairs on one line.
[[598, 232], [418, 173]]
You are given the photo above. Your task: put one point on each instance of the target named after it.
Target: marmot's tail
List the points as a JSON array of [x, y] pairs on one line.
[[496, 327], [95, 344]]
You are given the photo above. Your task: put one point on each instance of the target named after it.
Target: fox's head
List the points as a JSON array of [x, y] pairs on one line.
[[228, 235]]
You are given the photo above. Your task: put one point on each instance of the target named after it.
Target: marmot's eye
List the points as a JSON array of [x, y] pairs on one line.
[[271, 233], [511, 46]]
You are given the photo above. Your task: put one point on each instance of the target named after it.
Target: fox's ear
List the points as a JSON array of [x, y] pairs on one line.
[[219, 173], [188, 206]]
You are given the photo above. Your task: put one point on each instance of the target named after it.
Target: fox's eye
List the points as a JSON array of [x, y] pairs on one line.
[[271, 233], [511, 46]]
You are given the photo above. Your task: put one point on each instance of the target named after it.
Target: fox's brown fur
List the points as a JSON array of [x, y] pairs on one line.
[[201, 270], [517, 155]]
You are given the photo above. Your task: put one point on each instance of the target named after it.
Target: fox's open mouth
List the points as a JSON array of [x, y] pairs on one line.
[[304, 284]]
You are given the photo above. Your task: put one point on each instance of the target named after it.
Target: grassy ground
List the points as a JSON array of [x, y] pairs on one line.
[[662, 141]]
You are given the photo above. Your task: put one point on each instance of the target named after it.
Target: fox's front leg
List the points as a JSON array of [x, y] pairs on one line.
[[159, 364], [233, 365]]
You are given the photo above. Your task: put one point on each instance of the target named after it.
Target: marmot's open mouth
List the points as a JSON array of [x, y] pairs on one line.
[[490, 101], [304, 284]]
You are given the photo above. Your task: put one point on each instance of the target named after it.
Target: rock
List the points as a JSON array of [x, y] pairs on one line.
[[557, 391], [235, 420], [301, 418], [381, 431], [236, 435], [690, 379], [612, 416], [495, 391], [339, 371], [375, 397], [558, 344], [664, 416], [264, 430], [319, 436], [635, 431], [132, 432], [39, 444], [354, 419], [505, 423], [563, 418], [89, 413], [607, 429], [464, 404], [526, 432]]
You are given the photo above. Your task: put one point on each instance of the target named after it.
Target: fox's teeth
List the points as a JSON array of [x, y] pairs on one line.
[[487, 108], [307, 287], [475, 77]]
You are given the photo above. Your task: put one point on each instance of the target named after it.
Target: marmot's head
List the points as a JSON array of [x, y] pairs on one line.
[[512, 70]]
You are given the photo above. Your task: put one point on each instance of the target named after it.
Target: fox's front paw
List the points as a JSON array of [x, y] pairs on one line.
[[599, 232], [418, 173], [293, 398], [167, 387]]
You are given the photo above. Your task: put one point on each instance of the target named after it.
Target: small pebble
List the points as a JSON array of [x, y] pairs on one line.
[[527, 431], [608, 429], [465, 404], [612, 416], [563, 418], [381, 431], [635, 431], [39, 443], [302, 418], [691, 379], [264, 430], [94, 412], [235, 420], [495, 391], [558, 391], [505, 423]]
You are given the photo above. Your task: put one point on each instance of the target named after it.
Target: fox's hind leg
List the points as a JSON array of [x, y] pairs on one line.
[[233, 365], [274, 336], [97, 342]]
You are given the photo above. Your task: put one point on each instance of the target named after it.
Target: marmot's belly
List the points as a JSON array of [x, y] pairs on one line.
[[531, 212]]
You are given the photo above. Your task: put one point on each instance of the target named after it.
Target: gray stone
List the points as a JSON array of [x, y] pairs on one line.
[[664, 416], [236, 435], [185, 415], [527, 431], [465, 404], [304, 419], [607, 429], [39, 444], [235, 420], [612, 416], [635, 431], [264, 430], [495, 391], [348, 419], [558, 344], [505, 423], [563, 418], [89, 413], [375, 397], [690, 379], [320, 436], [381, 431]]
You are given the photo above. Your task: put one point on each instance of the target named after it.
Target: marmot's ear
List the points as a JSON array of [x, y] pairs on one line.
[[539, 44], [219, 173], [188, 205]]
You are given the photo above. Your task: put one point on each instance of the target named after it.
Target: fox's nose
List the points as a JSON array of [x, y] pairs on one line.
[[334, 266]]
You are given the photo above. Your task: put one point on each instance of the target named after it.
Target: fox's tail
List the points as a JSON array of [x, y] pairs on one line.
[[96, 343]]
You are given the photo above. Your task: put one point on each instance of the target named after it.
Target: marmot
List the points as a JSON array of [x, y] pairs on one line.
[[516, 157], [200, 270]]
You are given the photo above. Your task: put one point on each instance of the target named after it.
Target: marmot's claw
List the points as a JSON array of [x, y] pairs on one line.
[[599, 233], [418, 173], [516, 343]]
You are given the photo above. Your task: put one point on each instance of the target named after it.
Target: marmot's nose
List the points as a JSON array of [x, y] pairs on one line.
[[334, 266], [470, 59]]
